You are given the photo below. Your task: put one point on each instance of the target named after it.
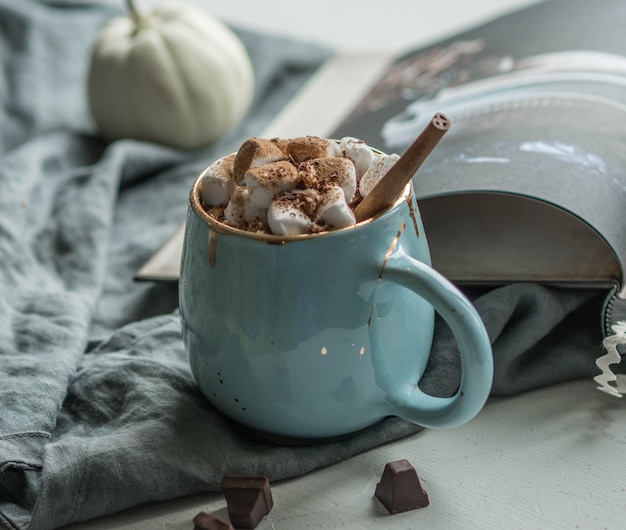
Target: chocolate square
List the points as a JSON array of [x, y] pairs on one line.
[[399, 489], [204, 521], [248, 500]]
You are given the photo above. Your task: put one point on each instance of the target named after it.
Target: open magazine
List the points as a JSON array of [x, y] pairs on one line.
[[530, 182]]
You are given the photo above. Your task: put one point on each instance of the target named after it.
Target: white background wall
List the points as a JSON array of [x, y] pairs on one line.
[[357, 24]]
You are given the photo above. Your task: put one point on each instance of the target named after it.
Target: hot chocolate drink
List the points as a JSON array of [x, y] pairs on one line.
[[292, 186]]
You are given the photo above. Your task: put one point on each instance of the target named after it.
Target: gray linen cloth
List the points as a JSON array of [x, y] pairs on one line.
[[99, 411]]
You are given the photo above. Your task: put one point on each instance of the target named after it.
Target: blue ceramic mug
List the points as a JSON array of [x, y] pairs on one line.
[[321, 335]]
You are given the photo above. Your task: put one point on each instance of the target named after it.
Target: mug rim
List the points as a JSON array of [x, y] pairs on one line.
[[218, 226]]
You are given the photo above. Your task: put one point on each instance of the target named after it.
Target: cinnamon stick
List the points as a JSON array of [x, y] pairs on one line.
[[390, 186]]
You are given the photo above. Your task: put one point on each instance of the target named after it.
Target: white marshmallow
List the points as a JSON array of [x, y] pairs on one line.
[[374, 173], [217, 184], [337, 169], [346, 178], [240, 212], [288, 213], [334, 150], [357, 151], [333, 209], [256, 152], [308, 147], [235, 212], [254, 214], [265, 182]]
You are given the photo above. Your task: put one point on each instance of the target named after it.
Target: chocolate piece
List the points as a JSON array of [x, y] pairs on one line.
[[204, 521], [399, 489], [248, 499]]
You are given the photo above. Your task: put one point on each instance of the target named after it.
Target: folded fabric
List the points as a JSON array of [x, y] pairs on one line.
[[99, 409]]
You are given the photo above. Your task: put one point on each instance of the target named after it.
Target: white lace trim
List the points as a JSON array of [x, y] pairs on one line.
[[610, 343]]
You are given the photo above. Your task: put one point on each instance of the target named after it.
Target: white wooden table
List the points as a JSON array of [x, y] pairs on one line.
[[548, 459]]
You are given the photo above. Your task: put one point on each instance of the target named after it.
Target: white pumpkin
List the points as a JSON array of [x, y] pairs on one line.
[[174, 76]]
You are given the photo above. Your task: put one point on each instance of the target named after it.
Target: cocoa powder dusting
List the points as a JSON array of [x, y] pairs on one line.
[[311, 175], [305, 200], [217, 213]]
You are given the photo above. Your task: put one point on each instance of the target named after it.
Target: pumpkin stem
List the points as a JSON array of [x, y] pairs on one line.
[[138, 19]]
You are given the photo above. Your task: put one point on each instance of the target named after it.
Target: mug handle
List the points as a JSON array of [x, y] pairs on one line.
[[407, 400]]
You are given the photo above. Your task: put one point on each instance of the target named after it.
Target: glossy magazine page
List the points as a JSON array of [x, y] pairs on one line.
[[537, 101]]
